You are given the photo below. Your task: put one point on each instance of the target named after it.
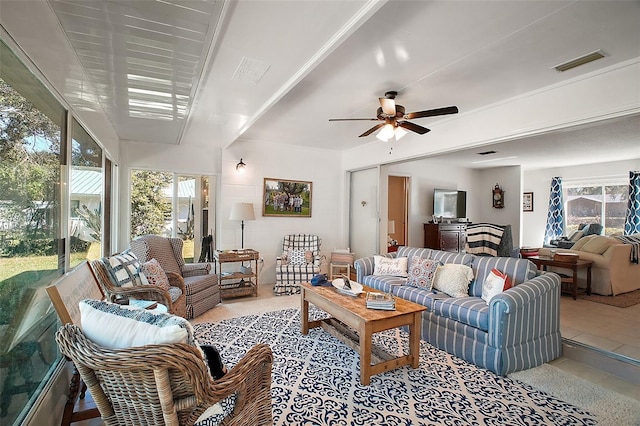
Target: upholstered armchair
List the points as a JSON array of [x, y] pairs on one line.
[[106, 271], [168, 384], [299, 262], [201, 288]]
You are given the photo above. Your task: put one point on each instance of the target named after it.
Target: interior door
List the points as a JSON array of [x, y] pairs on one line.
[[363, 212], [397, 210]]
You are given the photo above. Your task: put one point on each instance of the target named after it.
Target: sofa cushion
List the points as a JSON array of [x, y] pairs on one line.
[[417, 295], [422, 272], [409, 252], [114, 326], [472, 311], [519, 270], [453, 279], [386, 266], [448, 257], [597, 244], [383, 282]]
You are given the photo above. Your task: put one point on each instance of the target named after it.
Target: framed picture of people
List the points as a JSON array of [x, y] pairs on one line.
[[286, 198]]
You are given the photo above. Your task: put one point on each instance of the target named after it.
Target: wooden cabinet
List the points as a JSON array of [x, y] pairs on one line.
[[446, 236], [242, 282]]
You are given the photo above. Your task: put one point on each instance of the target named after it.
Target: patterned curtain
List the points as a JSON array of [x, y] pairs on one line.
[[555, 217], [632, 220]]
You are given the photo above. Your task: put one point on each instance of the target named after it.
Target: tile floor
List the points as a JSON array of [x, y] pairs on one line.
[[586, 322]]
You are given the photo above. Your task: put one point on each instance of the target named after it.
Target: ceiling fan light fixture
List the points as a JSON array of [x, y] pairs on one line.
[[399, 133], [385, 133]]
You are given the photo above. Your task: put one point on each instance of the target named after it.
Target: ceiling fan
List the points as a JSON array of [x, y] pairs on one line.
[[393, 116]]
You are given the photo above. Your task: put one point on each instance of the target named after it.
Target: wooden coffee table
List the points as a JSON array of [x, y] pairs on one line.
[[347, 311]]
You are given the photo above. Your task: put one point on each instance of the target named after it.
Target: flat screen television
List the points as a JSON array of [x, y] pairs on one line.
[[449, 203]]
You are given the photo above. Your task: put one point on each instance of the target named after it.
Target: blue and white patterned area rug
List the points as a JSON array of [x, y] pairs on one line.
[[316, 381]]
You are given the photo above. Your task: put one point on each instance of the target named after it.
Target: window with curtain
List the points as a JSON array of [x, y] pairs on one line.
[[32, 246], [597, 202]]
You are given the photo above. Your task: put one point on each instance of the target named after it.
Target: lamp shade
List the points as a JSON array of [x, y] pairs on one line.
[[391, 227], [242, 211]]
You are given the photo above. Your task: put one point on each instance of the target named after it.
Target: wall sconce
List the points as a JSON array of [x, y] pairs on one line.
[[240, 166]]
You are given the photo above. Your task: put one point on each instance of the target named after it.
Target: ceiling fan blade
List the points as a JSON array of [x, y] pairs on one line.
[[388, 106], [413, 127], [432, 112], [371, 130], [353, 119]]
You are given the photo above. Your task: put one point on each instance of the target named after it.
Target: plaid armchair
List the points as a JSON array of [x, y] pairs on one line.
[[299, 262], [201, 287]]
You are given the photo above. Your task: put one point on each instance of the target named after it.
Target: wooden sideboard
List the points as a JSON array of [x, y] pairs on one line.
[[446, 236]]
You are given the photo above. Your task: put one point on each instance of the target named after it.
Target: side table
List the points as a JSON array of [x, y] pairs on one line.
[[238, 283], [543, 262]]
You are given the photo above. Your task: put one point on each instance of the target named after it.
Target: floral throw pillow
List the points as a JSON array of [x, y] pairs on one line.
[[422, 272], [155, 274], [390, 266]]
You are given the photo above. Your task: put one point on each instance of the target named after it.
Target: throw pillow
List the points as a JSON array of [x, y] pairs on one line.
[[296, 257], [453, 279], [575, 236], [116, 326], [582, 241], [422, 272], [390, 266], [124, 269], [155, 275], [495, 283]]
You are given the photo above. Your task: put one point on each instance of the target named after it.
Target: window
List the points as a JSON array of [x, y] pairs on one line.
[[164, 203], [603, 203], [87, 178], [32, 245]]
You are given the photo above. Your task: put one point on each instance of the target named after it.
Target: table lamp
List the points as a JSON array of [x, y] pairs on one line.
[[242, 212]]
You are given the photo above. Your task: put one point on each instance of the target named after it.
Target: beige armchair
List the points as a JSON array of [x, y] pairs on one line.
[[168, 384], [201, 287]]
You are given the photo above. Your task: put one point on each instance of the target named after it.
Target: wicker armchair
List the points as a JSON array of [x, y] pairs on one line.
[[174, 300], [167, 384], [201, 287]]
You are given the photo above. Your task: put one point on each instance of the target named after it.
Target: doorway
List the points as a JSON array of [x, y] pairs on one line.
[[398, 210]]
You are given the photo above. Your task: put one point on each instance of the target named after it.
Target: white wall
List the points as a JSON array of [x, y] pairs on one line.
[[426, 175], [508, 178], [268, 160], [539, 181]]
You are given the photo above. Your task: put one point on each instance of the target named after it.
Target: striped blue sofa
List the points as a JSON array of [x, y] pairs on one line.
[[518, 330]]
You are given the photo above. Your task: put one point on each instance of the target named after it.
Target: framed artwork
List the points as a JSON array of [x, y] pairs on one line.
[[527, 201], [286, 198]]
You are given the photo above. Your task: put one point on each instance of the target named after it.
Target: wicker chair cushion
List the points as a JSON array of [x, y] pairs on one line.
[[124, 269], [114, 326], [155, 274]]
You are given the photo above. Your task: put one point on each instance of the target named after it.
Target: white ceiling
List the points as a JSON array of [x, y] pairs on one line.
[[210, 72]]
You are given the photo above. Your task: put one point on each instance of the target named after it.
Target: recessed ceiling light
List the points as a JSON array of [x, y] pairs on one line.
[[585, 59]]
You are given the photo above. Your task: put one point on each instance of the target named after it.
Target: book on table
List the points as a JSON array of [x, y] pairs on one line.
[[384, 301]]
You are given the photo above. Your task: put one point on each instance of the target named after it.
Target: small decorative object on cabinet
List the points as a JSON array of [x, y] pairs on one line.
[[243, 282], [498, 197]]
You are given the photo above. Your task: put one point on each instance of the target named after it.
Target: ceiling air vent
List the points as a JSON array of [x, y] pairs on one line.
[[589, 57], [487, 152], [251, 70]]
